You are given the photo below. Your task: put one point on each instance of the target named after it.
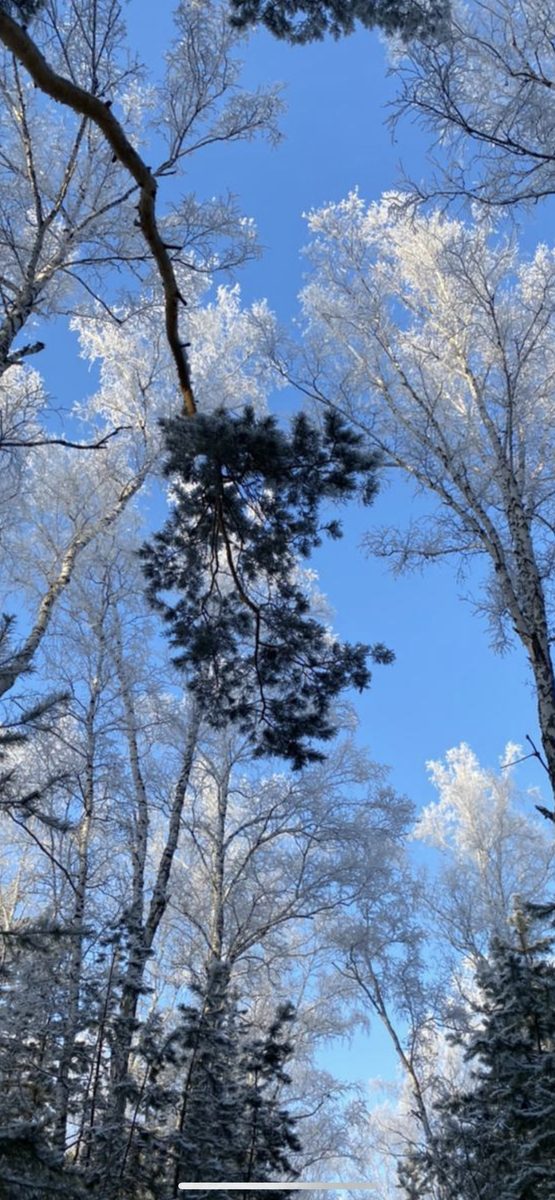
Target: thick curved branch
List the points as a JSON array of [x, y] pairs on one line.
[[65, 92]]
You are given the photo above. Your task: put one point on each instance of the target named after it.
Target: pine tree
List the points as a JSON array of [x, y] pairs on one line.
[[247, 504], [268, 1135], [496, 1138], [300, 21]]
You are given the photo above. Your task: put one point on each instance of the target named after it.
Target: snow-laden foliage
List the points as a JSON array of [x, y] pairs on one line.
[[438, 339], [484, 91], [491, 848], [153, 849], [167, 904], [71, 246], [142, 855], [510, 1096], [487, 852]]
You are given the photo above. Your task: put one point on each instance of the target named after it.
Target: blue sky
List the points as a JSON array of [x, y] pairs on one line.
[[446, 685]]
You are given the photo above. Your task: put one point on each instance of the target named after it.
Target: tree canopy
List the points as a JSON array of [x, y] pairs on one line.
[[205, 879], [301, 21], [246, 512], [511, 1090]]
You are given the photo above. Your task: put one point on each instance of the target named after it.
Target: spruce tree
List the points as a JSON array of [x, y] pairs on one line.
[[224, 572], [496, 1138], [32, 998], [210, 1105], [231, 1123]]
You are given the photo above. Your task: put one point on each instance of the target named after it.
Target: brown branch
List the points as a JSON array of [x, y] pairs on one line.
[[244, 597], [536, 754], [71, 95]]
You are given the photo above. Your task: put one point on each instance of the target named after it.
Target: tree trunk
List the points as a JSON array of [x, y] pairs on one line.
[[141, 944]]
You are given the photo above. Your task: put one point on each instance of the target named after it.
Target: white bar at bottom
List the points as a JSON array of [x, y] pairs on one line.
[[272, 1187]]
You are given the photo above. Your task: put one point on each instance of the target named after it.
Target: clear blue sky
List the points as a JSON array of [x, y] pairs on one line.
[[446, 685]]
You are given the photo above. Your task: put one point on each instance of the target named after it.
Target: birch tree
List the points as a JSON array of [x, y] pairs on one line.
[[71, 243], [483, 90], [436, 338], [150, 872], [487, 854], [490, 847]]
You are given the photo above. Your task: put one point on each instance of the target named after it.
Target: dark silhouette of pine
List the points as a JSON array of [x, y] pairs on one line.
[[224, 572], [300, 21]]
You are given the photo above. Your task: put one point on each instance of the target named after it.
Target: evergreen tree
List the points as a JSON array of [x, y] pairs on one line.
[[496, 1138], [31, 1008], [300, 21], [247, 500], [209, 1108], [231, 1125], [267, 1130]]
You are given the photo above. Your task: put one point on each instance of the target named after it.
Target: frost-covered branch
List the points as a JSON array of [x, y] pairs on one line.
[[64, 91]]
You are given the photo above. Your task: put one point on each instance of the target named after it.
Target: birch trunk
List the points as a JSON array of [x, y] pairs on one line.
[[374, 995], [143, 937], [74, 983]]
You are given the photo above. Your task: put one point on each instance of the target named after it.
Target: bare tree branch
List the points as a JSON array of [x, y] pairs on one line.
[[8, 443]]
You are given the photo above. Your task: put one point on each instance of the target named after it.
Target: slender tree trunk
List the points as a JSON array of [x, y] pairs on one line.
[[141, 946], [216, 988], [83, 1147], [535, 633], [217, 914], [74, 982], [217, 929], [373, 993]]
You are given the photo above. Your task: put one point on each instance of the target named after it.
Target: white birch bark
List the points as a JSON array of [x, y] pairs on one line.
[[142, 940], [74, 976]]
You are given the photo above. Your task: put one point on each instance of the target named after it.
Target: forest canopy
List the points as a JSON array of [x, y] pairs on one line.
[[209, 887]]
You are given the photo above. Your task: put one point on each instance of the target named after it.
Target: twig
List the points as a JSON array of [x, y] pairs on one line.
[[536, 754], [99, 445]]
